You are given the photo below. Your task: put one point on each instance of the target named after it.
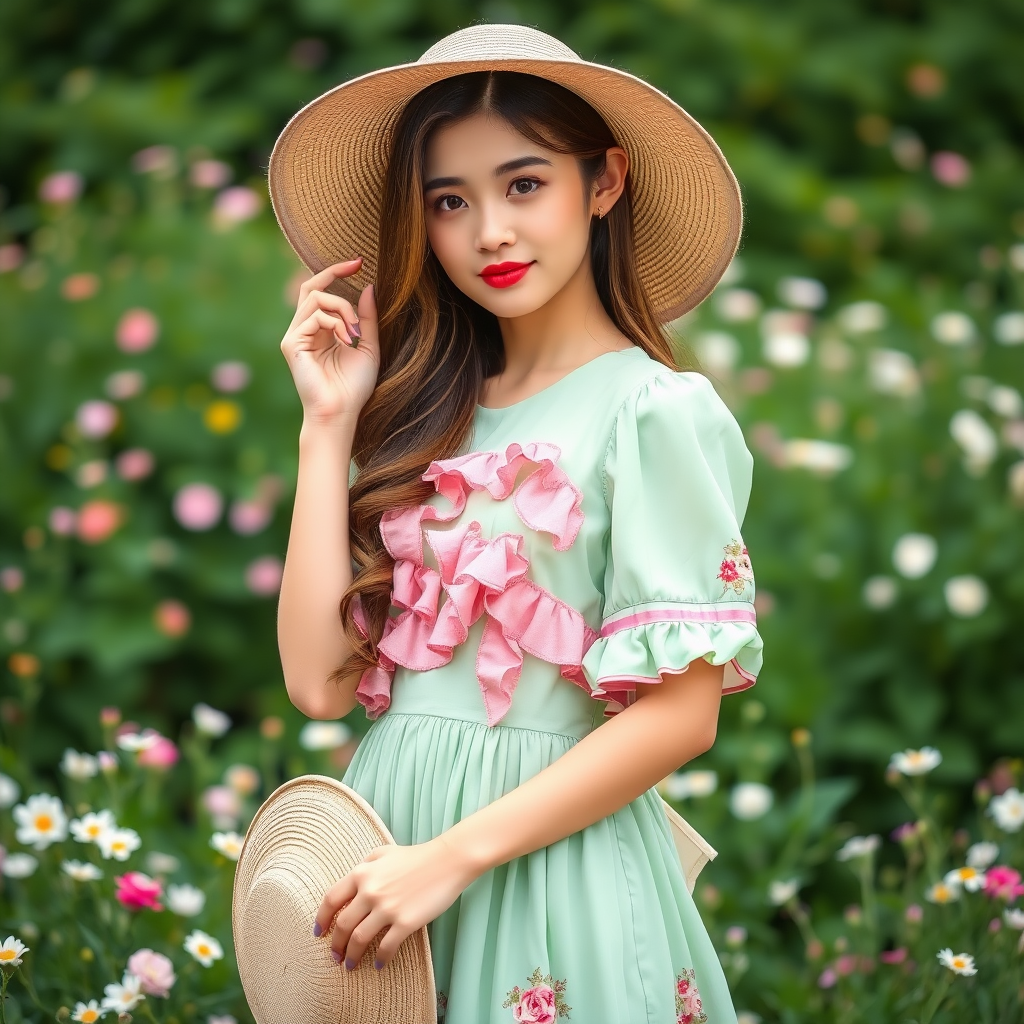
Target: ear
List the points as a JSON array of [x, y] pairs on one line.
[[610, 183]]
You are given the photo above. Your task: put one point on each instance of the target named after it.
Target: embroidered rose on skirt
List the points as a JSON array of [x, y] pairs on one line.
[[542, 1003], [442, 1006], [736, 571], [688, 1005]]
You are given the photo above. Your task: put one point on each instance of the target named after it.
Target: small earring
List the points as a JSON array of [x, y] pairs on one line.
[[600, 213]]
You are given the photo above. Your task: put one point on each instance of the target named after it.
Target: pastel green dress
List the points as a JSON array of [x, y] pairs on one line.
[[588, 539]]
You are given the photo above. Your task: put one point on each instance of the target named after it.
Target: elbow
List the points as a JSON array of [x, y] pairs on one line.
[[320, 703]]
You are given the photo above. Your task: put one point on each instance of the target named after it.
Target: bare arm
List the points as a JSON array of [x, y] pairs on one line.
[[334, 378]]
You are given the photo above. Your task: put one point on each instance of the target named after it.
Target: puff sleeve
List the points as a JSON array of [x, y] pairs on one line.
[[678, 582]]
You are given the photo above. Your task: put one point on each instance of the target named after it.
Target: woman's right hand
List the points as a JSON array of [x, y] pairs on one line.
[[333, 377]]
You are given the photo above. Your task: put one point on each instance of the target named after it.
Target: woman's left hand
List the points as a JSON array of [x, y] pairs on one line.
[[398, 888]]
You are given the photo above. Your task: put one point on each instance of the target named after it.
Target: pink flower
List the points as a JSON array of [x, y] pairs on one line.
[[847, 964], [110, 715], [11, 578], [137, 330], [689, 1008], [172, 618], [905, 833], [913, 914], [230, 376], [210, 173], [96, 418], [536, 1006], [61, 187], [234, 205], [198, 506], [222, 801], [1003, 882], [77, 287], [950, 169], [98, 519], [728, 572], [125, 384], [160, 160], [249, 517], [62, 520], [263, 576], [134, 464], [162, 754], [138, 891], [893, 956], [828, 978], [11, 257], [155, 971]]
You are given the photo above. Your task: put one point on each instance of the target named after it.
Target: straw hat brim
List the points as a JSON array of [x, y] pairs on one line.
[[327, 168], [306, 836]]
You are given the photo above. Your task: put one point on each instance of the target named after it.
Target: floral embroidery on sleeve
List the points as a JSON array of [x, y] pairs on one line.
[[688, 1005], [736, 571], [442, 1006], [542, 1003]]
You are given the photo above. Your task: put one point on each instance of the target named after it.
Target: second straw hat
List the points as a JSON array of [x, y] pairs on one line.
[[327, 168]]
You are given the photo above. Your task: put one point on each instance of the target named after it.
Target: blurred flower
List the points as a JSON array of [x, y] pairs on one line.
[[41, 821], [681, 785], [743, 1017], [185, 900], [941, 892], [9, 790], [227, 843], [19, 865], [914, 555], [272, 727], [249, 517], [118, 843], [11, 257], [780, 892], [879, 592], [154, 970], [90, 827], [1003, 882], [159, 160], [324, 735], [1016, 480], [862, 317], [78, 766], [907, 148], [110, 715], [749, 801], [950, 169], [11, 951], [893, 956], [914, 914], [1009, 328], [970, 878], [124, 997], [209, 173], [96, 418], [916, 762], [1008, 810], [966, 596], [1005, 401], [87, 1013], [222, 802], [802, 292], [125, 384], [737, 304], [97, 520], [953, 328], [786, 349], [205, 948], [81, 871], [235, 205], [61, 187], [11, 579], [198, 506], [221, 1018], [859, 846], [209, 721], [263, 575], [78, 287], [230, 376], [243, 779], [827, 978], [162, 754], [160, 863], [172, 618], [134, 464], [893, 372], [735, 935], [926, 80], [136, 741], [822, 457], [137, 330], [91, 473], [137, 891], [107, 760], [718, 351], [959, 963], [62, 520], [222, 416], [977, 439], [1014, 918], [23, 664], [981, 855], [905, 833]]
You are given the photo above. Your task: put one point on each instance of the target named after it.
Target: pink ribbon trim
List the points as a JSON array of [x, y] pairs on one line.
[[680, 614]]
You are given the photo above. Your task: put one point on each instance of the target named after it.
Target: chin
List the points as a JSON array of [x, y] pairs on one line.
[[508, 302]]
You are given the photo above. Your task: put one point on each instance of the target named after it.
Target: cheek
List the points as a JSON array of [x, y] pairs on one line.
[[559, 224], [450, 245]]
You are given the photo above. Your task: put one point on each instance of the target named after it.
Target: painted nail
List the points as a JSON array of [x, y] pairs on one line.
[[354, 329], [336, 955], [317, 930], [377, 964], [350, 964]]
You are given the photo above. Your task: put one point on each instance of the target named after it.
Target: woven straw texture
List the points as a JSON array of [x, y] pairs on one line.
[[327, 168], [308, 834]]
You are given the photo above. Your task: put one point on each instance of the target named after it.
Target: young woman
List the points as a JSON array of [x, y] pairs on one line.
[[536, 556]]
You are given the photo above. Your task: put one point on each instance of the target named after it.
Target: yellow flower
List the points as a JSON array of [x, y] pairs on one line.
[[940, 892], [222, 416]]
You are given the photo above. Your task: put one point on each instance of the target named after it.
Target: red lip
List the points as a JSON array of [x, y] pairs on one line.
[[502, 275]]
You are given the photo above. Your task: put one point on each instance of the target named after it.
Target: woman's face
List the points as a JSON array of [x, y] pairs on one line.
[[507, 219]]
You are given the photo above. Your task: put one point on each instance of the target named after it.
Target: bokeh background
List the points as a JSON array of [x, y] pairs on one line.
[[869, 338]]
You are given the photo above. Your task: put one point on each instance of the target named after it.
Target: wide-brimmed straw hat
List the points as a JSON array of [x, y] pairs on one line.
[[306, 836], [327, 168]]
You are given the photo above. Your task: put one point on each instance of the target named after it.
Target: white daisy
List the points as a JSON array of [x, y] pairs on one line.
[[185, 900], [81, 871], [859, 846], [41, 821], [19, 865], [1014, 918], [125, 996], [88, 1012], [11, 951], [780, 892], [91, 827], [205, 948], [228, 843], [119, 843], [942, 892], [210, 721], [958, 963], [982, 855], [970, 878], [324, 735], [136, 741], [1008, 810], [9, 790], [78, 766], [916, 762]]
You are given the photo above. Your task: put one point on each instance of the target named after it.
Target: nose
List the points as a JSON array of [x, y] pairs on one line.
[[493, 227]]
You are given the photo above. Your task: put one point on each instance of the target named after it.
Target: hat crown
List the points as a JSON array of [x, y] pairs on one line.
[[497, 42]]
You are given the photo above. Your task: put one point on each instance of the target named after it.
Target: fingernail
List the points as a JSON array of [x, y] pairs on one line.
[[354, 329], [336, 955], [377, 964], [350, 964], [317, 930]]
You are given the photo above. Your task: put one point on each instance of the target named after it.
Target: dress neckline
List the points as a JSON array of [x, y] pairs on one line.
[[486, 410]]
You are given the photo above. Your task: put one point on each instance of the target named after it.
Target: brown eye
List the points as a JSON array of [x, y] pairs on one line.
[[524, 186], [445, 203]]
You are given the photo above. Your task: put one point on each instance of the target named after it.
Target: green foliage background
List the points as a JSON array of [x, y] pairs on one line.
[[830, 130]]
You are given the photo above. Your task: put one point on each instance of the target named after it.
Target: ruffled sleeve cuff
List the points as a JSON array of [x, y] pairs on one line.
[[640, 644]]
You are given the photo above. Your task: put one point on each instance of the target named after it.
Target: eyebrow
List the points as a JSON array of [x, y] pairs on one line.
[[501, 169]]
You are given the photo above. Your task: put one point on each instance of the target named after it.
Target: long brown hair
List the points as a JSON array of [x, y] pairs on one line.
[[437, 346]]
